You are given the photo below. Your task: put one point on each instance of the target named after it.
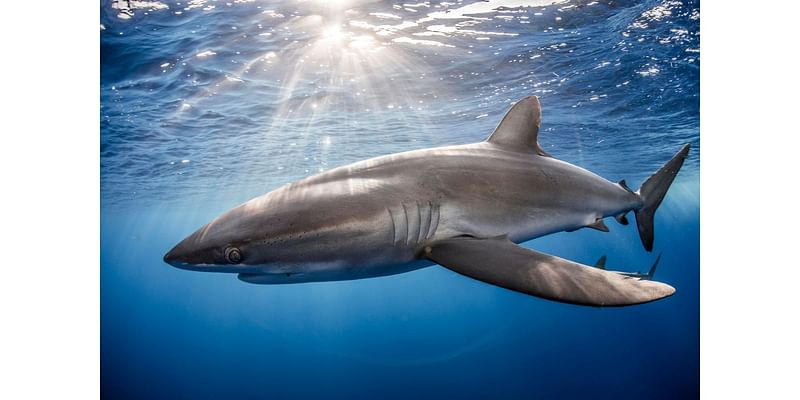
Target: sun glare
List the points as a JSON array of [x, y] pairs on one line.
[[337, 55], [332, 32], [339, 62]]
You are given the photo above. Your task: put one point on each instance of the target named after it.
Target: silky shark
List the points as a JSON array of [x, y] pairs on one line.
[[463, 207]]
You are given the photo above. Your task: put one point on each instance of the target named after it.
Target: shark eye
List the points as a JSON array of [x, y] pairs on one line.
[[233, 255]]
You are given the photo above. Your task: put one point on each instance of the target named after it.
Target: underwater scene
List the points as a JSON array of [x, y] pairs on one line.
[[208, 104]]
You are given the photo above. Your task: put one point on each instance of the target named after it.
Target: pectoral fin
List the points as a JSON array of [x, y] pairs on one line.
[[498, 261]]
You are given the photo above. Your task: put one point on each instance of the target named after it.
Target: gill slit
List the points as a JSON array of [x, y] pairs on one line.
[[394, 227], [405, 214], [434, 221]]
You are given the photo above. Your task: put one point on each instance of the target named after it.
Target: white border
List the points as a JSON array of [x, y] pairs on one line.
[[49, 158], [749, 273]]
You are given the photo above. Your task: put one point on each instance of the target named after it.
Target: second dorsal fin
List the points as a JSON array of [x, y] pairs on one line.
[[519, 129]]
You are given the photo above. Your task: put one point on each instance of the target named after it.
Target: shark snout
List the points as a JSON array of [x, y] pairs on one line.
[[173, 257], [185, 253]]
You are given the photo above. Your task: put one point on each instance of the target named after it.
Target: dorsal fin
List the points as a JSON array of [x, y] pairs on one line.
[[519, 129]]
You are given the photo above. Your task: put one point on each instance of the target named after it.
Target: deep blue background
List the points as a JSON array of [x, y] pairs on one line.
[[297, 87]]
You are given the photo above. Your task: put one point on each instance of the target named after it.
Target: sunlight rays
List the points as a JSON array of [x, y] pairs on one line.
[[330, 68], [339, 73]]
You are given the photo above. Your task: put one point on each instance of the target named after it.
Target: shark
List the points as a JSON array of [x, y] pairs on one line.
[[464, 207]]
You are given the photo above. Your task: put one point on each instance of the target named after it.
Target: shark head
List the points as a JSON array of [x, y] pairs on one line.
[[229, 243]]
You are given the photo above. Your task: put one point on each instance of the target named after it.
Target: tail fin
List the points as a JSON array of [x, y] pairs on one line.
[[652, 192]]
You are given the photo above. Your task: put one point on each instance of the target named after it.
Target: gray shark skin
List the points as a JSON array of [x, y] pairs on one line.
[[463, 207]]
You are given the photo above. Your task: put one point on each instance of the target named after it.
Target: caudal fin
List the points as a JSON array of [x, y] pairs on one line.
[[652, 192]]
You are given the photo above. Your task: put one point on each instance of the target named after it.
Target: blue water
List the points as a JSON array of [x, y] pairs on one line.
[[207, 104]]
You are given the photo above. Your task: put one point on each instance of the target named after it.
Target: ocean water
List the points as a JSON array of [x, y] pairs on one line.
[[206, 104]]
